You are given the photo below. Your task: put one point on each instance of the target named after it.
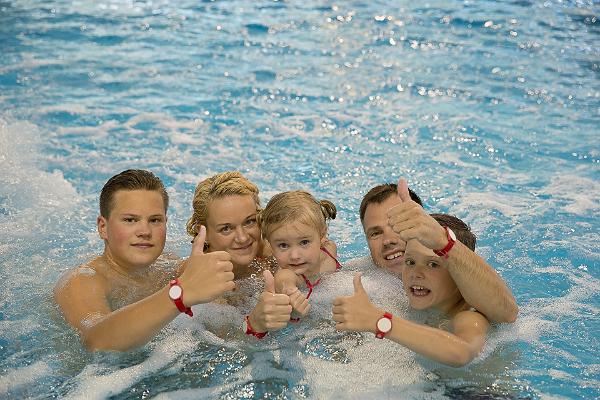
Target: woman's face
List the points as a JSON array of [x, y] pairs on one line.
[[232, 227]]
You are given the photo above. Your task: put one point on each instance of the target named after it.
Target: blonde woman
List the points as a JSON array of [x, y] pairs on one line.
[[227, 204]]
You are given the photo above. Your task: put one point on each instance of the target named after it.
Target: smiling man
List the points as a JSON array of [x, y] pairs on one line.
[[393, 214]]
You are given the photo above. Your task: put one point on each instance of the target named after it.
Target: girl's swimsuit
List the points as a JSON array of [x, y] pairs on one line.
[[310, 285]]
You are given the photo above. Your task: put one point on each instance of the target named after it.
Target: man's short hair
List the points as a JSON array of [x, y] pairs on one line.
[[381, 193], [131, 179], [461, 230]]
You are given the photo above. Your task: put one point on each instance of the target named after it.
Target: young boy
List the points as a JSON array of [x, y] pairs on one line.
[[428, 285], [122, 299]]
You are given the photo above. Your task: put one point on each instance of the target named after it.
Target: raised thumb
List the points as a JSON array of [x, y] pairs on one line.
[[403, 193], [198, 244], [358, 287], [269, 282]]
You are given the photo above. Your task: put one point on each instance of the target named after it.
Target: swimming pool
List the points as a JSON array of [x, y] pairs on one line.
[[490, 109]]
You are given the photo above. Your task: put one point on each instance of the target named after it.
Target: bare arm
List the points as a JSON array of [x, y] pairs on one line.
[[480, 285], [455, 349], [83, 302], [478, 282], [83, 298], [357, 313]]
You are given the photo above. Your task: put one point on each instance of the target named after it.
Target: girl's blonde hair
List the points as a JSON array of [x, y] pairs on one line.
[[231, 183], [296, 206]]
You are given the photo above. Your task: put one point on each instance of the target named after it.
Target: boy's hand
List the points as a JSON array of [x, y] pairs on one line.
[[206, 276], [356, 312], [410, 221], [273, 310]]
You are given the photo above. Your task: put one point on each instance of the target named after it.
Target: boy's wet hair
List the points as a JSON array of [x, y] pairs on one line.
[[230, 183], [459, 227], [131, 179], [381, 193], [296, 206]]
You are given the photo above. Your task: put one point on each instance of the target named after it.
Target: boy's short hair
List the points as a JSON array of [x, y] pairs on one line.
[[459, 227], [381, 193], [131, 179]]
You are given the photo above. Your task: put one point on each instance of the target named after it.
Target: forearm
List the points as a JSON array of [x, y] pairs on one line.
[[436, 344], [131, 326], [480, 285]]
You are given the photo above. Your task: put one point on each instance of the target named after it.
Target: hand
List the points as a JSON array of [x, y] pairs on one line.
[[356, 312], [410, 221], [273, 310], [298, 301], [206, 276]]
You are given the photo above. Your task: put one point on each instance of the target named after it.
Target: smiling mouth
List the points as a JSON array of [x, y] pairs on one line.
[[419, 291], [394, 255]]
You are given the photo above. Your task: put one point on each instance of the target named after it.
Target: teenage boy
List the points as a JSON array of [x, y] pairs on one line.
[[122, 299]]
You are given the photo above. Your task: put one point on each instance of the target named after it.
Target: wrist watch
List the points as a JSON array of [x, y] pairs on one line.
[[247, 328], [451, 240], [176, 294], [384, 325]]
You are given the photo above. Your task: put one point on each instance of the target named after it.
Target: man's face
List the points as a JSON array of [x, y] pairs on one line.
[[136, 229], [386, 247]]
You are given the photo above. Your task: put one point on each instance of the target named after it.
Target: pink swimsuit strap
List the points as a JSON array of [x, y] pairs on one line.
[[309, 285], [338, 266]]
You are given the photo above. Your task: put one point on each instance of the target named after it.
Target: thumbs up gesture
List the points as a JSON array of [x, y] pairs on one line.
[[410, 221], [273, 310], [356, 312], [205, 276]]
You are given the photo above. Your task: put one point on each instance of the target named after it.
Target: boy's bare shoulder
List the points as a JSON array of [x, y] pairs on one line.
[[83, 276]]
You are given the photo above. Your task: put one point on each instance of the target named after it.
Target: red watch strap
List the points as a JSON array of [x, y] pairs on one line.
[[444, 252], [179, 301], [251, 331]]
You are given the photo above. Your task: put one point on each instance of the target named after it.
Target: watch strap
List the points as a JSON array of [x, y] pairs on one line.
[[251, 331], [179, 300], [444, 252]]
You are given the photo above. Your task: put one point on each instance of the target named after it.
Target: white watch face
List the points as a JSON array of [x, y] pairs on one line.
[[175, 292], [384, 324], [451, 234]]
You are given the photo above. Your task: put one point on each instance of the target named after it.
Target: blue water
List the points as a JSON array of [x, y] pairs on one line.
[[490, 109]]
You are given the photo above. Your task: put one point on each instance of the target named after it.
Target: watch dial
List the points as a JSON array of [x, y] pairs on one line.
[[175, 292], [384, 325], [452, 234]]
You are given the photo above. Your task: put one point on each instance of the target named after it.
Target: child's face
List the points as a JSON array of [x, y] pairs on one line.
[[298, 247], [426, 279]]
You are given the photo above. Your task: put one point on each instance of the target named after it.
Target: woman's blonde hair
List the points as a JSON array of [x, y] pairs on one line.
[[231, 183], [296, 206]]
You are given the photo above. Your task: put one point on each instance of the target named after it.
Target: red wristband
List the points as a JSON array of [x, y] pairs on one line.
[[249, 331]]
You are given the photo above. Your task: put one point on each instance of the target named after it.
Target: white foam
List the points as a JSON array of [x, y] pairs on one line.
[[94, 382], [24, 187], [23, 376]]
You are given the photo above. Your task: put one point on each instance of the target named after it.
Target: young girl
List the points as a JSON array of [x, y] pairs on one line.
[[429, 286], [295, 225]]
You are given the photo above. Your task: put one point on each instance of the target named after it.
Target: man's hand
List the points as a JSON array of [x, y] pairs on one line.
[[356, 312], [273, 310], [410, 221], [206, 276]]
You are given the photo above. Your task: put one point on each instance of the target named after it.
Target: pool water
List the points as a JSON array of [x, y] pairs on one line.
[[490, 109]]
